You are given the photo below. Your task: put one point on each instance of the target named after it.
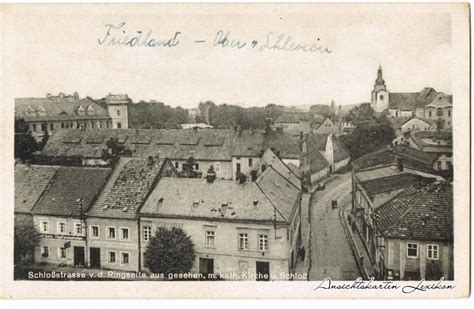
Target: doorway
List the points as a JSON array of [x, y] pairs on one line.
[[79, 256], [95, 257], [263, 271], [206, 267]]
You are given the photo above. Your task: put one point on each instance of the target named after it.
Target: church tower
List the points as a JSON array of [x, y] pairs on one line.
[[379, 100]]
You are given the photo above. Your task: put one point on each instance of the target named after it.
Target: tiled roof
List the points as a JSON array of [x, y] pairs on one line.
[[315, 144], [419, 213], [30, 183], [402, 101], [58, 108], [67, 186], [205, 144], [391, 183], [269, 158], [127, 188], [295, 170], [222, 199]]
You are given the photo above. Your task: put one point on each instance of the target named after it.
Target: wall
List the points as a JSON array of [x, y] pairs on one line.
[[229, 260], [319, 175], [395, 257], [117, 245], [341, 164], [116, 118], [415, 124], [224, 171], [245, 166]]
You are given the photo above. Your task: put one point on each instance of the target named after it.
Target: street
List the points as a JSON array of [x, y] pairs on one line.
[[331, 255]]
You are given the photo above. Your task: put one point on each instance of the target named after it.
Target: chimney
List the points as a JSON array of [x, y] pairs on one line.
[[150, 161], [255, 202], [76, 96], [400, 164], [61, 95], [242, 179]]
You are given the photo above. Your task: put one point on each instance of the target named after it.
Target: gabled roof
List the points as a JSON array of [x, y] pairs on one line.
[[441, 100], [392, 183], [223, 199], [403, 101], [434, 139], [67, 186], [127, 188], [30, 183], [269, 158], [57, 108], [421, 212]]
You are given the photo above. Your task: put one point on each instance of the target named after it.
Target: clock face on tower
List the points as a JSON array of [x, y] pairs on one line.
[[381, 97]]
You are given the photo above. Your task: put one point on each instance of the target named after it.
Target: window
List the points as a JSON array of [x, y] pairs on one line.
[[429, 113], [78, 228], [118, 113], [439, 112], [210, 239], [381, 97], [45, 251], [124, 233], [110, 232], [62, 253], [439, 165], [34, 127], [176, 165], [196, 166], [61, 227], [432, 252], [51, 127], [119, 125], [412, 250], [217, 166], [125, 258], [44, 227], [112, 256], [62, 125], [449, 113], [262, 242], [243, 241], [146, 233], [94, 231], [250, 162]]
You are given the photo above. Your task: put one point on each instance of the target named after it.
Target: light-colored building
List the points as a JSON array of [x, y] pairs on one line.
[[415, 234], [59, 215], [245, 231], [441, 110], [117, 107], [54, 113], [113, 235], [438, 143]]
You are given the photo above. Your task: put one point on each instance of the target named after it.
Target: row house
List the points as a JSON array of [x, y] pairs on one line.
[[380, 176], [251, 230], [229, 152], [415, 234], [51, 114], [59, 214], [113, 234]]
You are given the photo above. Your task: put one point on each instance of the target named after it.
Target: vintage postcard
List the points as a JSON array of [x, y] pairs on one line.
[[235, 150]]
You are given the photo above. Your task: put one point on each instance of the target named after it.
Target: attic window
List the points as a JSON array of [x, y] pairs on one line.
[[90, 110], [41, 111], [196, 203], [81, 111], [30, 110]]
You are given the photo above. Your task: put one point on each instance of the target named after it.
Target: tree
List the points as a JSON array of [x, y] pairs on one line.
[[114, 150], [25, 240], [170, 251], [25, 143], [362, 114], [324, 110]]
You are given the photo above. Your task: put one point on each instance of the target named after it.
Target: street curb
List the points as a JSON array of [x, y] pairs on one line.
[[351, 241]]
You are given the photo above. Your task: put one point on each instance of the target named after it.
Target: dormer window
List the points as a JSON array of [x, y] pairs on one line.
[[81, 111], [30, 111], [41, 111], [90, 110]]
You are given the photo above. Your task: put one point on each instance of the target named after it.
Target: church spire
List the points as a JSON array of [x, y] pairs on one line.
[[379, 80]]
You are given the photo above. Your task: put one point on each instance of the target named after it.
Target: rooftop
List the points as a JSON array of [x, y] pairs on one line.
[[270, 197], [269, 158], [392, 183], [68, 185], [420, 212], [30, 183]]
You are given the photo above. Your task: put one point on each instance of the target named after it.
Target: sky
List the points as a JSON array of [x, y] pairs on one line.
[[57, 50]]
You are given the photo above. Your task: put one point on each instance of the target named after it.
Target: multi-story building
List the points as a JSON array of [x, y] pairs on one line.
[[117, 107], [245, 231], [380, 176], [437, 143], [52, 114], [414, 231], [60, 212], [113, 235], [440, 111]]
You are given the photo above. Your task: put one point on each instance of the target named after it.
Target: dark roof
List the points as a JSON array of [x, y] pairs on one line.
[[253, 143], [30, 183], [441, 100], [58, 108], [223, 199], [441, 139], [316, 143], [127, 188], [402, 101], [67, 186], [391, 183], [411, 158], [269, 158], [419, 213]]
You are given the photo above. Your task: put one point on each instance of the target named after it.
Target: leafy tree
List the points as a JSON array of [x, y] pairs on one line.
[[157, 115], [25, 143], [170, 251], [114, 150], [25, 240], [369, 136], [362, 114], [324, 110]]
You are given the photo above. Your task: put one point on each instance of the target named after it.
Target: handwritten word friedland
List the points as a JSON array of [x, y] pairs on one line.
[[116, 36]]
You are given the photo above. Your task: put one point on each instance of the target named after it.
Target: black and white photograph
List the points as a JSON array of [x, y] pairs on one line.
[[323, 148]]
